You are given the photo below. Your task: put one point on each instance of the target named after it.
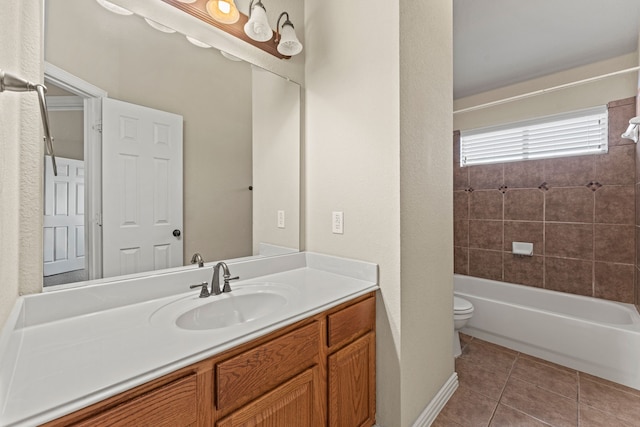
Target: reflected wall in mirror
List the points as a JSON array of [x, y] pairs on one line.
[[241, 124]]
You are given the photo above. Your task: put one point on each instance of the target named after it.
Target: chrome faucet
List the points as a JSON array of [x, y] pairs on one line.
[[197, 258], [215, 282]]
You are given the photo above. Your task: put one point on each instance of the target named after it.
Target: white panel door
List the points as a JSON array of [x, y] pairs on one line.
[[63, 224], [141, 188]]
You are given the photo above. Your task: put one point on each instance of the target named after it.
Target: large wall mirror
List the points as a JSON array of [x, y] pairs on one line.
[[240, 153]]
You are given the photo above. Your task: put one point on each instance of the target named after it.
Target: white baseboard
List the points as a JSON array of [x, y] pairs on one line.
[[434, 407]]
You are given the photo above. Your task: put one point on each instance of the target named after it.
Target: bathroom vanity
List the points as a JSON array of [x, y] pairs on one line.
[[127, 361]]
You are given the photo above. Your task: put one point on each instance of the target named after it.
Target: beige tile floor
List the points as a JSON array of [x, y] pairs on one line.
[[500, 387]]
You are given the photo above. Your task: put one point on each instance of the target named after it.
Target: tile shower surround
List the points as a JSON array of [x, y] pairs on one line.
[[579, 212]]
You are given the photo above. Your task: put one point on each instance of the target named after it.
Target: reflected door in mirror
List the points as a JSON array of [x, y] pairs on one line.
[[142, 188]]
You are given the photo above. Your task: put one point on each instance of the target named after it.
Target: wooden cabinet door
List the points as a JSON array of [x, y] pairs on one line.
[[294, 403], [352, 400], [173, 405]]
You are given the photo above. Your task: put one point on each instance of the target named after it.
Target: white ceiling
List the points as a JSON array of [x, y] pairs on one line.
[[501, 42]]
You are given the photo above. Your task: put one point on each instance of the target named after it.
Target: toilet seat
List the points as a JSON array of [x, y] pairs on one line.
[[462, 312], [461, 306]]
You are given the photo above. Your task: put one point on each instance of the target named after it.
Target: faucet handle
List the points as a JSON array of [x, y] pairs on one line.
[[204, 291], [227, 279]]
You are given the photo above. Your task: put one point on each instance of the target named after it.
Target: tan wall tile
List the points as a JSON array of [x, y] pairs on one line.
[[524, 205], [485, 204], [460, 205], [568, 275], [614, 243], [528, 174], [486, 177], [461, 233], [460, 177], [485, 264], [569, 240], [615, 204], [569, 171], [569, 204], [524, 270], [485, 234], [460, 260], [616, 167], [614, 281]]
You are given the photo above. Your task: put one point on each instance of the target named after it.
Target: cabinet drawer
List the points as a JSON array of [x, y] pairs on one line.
[[174, 404], [291, 404], [351, 322], [250, 374]]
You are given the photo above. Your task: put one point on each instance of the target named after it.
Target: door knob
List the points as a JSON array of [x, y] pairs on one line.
[[176, 232]]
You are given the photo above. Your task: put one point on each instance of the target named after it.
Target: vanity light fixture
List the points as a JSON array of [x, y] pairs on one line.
[[198, 43], [114, 8], [223, 11], [257, 27], [288, 43], [633, 132], [207, 11], [159, 27]]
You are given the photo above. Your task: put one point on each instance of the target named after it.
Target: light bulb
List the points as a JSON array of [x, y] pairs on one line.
[[223, 11]]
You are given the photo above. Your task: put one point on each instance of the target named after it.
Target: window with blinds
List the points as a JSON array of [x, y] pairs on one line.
[[570, 134]]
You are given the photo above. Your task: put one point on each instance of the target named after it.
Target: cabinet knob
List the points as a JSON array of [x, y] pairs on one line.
[[176, 233]]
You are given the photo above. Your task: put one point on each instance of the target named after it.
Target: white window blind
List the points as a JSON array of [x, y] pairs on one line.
[[570, 134]]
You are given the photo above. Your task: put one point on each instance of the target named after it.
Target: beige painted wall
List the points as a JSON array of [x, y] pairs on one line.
[[426, 210], [353, 160], [21, 160], [575, 98], [276, 153], [376, 129], [67, 127], [135, 63]]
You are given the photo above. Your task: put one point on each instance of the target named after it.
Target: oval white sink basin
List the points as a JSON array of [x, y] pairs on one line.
[[231, 310], [218, 314]]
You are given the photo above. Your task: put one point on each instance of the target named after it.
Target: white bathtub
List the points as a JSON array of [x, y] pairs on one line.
[[595, 336]]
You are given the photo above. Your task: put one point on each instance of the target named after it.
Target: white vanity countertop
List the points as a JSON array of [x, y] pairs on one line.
[[62, 351]]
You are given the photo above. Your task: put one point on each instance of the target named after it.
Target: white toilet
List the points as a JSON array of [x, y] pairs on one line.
[[462, 311]]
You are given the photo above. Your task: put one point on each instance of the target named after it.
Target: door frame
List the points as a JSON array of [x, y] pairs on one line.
[[90, 96]]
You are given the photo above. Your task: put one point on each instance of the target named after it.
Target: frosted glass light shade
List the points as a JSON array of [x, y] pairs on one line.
[[257, 28], [114, 7], [229, 56], [198, 43], [289, 44], [159, 27], [223, 11]]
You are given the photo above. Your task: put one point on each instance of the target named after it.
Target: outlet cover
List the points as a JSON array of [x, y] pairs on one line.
[[280, 219], [337, 222]]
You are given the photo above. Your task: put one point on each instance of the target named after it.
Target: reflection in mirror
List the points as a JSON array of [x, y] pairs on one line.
[[241, 129]]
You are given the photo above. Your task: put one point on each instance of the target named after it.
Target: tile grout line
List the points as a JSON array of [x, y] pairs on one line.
[[513, 365], [578, 399]]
